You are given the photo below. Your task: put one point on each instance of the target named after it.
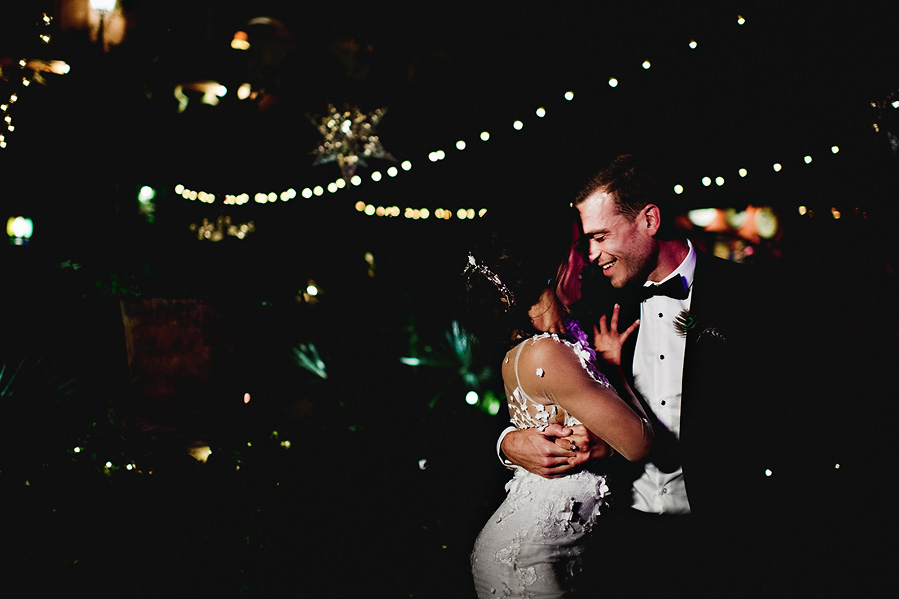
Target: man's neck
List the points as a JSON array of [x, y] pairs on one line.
[[671, 254]]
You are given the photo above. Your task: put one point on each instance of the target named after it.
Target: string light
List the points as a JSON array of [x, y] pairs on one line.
[[29, 70], [222, 227], [413, 213], [334, 124]]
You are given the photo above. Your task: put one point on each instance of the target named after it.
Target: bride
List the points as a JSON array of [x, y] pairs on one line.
[[516, 284]]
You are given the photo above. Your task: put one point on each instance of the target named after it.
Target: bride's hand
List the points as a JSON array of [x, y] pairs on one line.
[[585, 445], [535, 450], [607, 341]]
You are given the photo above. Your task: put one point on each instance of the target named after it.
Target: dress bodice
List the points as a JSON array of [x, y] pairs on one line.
[[533, 545], [527, 411]]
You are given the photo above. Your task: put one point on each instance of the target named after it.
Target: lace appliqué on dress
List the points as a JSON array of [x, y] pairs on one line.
[[533, 545], [526, 413]]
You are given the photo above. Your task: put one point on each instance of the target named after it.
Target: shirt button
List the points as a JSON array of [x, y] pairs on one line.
[[663, 402], [664, 490], [662, 357], [660, 315]]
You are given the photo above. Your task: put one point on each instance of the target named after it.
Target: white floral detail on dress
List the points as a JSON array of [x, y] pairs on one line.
[[538, 416], [534, 544], [527, 413]]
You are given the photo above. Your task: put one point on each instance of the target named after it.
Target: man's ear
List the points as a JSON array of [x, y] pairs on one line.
[[652, 217]]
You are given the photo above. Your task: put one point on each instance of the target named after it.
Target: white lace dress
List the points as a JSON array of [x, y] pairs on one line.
[[533, 544]]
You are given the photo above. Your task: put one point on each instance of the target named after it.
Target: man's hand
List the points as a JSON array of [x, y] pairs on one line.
[[548, 453]]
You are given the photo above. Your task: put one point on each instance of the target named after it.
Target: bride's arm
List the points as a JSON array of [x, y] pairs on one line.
[[552, 369]]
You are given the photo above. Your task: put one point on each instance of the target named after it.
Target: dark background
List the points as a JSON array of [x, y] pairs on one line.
[[349, 508]]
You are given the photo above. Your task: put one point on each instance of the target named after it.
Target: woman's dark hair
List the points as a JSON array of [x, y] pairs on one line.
[[526, 249]]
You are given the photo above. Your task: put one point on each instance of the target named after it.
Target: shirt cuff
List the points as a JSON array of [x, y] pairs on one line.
[[499, 452]]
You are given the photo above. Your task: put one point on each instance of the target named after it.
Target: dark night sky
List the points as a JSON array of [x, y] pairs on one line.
[[792, 81], [796, 79]]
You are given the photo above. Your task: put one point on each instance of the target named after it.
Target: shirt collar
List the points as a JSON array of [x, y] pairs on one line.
[[685, 269]]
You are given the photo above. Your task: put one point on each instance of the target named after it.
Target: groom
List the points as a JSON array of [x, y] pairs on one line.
[[693, 362]]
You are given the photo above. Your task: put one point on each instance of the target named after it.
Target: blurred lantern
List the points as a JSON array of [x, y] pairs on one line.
[[19, 230], [240, 41], [761, 223], [349, 138], [753, 224], [199, 452], [709, 219], [702, 217], [146, 206], [103, 7]]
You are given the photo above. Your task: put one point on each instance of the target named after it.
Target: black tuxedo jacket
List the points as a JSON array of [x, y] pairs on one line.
[[726, 397]]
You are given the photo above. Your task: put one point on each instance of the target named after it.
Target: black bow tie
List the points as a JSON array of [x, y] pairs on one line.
[[675, 287]]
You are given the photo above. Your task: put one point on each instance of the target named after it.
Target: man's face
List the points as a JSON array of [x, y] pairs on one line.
[[622, 248]]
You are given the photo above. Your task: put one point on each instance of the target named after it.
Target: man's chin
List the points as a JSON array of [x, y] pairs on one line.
[[617, 282]]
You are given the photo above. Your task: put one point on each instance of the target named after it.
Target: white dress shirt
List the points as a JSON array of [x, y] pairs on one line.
[[658, 377]]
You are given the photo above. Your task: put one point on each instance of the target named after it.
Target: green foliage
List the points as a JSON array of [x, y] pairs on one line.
[[307, 357], [454, 356], [44, 417]]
